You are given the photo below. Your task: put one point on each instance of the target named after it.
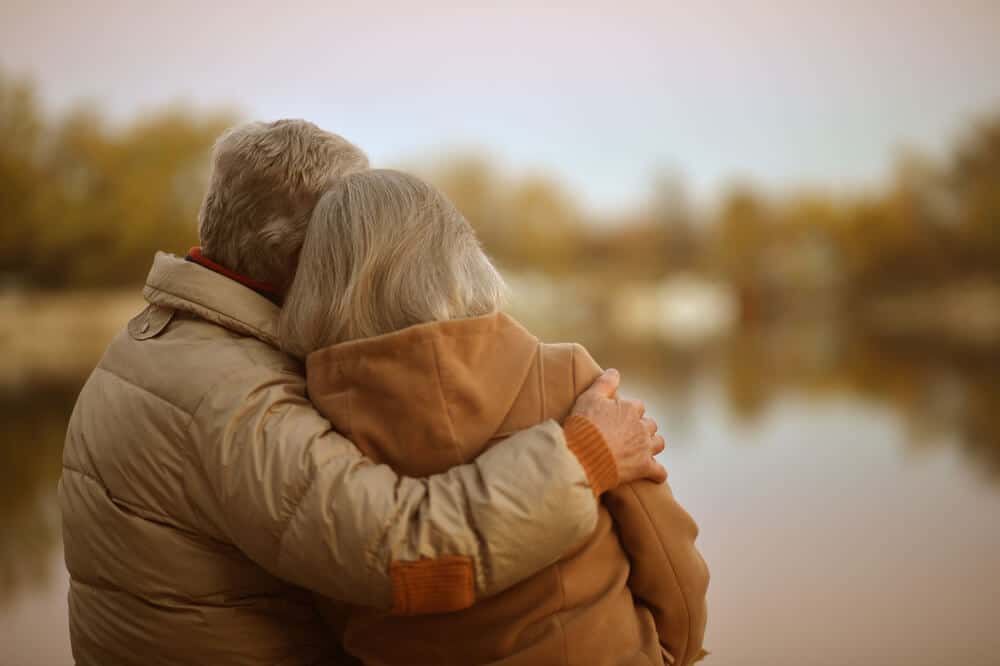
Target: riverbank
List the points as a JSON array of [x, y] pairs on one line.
[[58, 336], [55, 336]]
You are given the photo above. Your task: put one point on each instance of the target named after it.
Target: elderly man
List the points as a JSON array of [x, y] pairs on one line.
[[204, 499]]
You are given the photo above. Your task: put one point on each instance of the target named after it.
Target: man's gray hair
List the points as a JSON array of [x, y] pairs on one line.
[[384, 250], [266, 178]]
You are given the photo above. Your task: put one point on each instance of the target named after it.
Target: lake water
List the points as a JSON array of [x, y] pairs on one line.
[[848, 497]]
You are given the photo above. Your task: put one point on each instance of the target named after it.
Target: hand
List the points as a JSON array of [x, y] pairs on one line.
[[629, 434]]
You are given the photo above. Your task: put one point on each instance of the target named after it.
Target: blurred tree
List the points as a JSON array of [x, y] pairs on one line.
[[975, 177], [670, 208], [87, 205], [474, 186], [21, 133], [529, 224], [544, 224], [34, 421], [742, 235], [661, 238]]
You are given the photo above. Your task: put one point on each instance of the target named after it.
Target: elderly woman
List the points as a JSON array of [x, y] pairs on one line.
[[397, 311]]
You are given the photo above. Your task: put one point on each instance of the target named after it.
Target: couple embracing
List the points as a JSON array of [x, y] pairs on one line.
[[323, 442]]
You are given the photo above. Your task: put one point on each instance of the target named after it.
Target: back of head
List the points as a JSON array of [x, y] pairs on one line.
[[384, 250], [266, 178]]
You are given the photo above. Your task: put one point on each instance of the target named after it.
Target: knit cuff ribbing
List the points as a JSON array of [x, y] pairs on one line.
[[588, 445]]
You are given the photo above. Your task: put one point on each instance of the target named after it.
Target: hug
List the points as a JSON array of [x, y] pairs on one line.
[[324, 442]]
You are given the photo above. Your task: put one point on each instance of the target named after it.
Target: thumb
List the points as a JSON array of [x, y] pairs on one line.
[[607, 384]]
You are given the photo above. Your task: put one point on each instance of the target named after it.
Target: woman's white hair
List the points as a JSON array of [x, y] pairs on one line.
[[266, 178], [384, 250]]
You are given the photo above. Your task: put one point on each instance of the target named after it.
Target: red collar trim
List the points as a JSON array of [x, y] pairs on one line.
[[264, 288]]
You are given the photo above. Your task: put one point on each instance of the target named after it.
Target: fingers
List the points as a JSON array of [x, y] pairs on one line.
[[635, 405], [656, 472], [607, 383], [658, 445]]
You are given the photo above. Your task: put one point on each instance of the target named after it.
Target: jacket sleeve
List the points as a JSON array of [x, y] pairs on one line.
[[301, 501], [668, 573]]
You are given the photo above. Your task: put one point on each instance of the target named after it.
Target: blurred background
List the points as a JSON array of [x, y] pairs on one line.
[[780, 219]]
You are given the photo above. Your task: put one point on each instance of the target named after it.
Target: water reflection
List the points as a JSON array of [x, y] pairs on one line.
[[942, 393], [34, 421]]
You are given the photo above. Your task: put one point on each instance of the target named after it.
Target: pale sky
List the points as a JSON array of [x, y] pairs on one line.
[[599, 94]]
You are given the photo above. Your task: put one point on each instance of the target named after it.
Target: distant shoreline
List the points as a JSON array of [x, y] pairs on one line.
[[59, 335]]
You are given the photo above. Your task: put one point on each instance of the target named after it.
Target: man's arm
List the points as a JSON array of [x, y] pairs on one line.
[[304, 503]]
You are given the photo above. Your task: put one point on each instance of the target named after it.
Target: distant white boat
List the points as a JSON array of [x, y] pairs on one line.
[[684, 309]]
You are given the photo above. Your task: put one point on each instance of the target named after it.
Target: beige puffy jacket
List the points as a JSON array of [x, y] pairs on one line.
[[203, 497], [634, 593]]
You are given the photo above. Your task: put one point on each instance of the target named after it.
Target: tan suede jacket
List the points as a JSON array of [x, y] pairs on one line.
[[434, 396], [203, 497]]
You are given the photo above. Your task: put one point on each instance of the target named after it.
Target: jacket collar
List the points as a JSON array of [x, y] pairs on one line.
[[268, 291], [189, 287]]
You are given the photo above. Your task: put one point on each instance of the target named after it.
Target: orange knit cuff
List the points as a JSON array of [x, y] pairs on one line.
[[441, 585], [587, 443]]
